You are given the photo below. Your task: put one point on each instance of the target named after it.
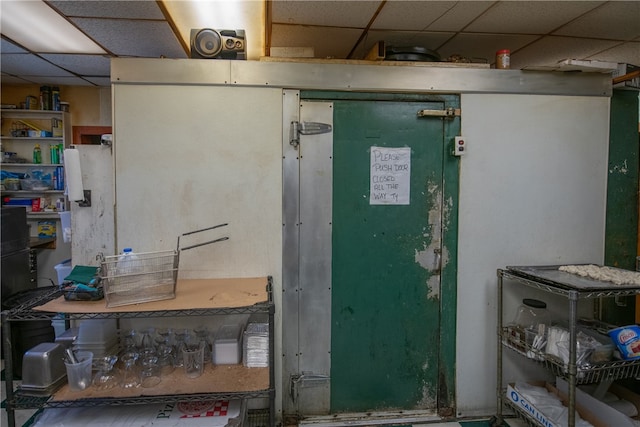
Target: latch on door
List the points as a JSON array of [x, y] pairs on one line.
[[306, 128], [448, 113]]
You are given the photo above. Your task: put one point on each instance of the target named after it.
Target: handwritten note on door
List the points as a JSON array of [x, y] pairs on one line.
[[390, 176]]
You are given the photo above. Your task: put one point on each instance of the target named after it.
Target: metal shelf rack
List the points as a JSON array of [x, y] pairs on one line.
[[573, 288], [16, 400]]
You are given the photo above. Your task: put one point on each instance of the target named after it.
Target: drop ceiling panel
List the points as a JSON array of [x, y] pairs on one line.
[[110, 9], [86, 65], [550, 49], [460, 15], [99, 81], [529, 17], [7, 47], [353, 14], [483, 47], [618, 20], [149, 39], [410, 16], [59, 81], [628, 53], [29, 65], [328, 42], [12, 80]]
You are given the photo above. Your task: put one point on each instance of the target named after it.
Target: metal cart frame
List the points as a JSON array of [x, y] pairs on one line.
[[605, 372]]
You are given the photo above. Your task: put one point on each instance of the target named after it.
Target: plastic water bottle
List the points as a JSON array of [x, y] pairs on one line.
[[127, 262]]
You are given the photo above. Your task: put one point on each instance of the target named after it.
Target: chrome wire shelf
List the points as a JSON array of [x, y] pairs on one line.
[[586, 374], [26, 311], [22, 401]]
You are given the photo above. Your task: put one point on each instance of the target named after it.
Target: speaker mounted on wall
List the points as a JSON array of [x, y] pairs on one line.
[[207, 43]]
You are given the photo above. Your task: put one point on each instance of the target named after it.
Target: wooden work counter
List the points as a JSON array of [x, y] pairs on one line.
[[190, 294]]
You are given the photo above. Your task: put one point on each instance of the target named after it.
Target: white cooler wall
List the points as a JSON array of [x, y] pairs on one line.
[[92, 227], [190, 157], [532, 192]]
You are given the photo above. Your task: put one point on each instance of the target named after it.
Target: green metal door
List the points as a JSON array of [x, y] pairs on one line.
[[393, 267]]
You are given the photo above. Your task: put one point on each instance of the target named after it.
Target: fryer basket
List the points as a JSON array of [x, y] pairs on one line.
[[149, 276]]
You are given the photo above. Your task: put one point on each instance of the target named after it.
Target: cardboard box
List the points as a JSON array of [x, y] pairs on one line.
[[599, 409], [153, 415], [628, 395], [46, 229], [633, 84], [530, 409]]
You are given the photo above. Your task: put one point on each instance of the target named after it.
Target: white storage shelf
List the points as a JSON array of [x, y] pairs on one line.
[[23, 147]]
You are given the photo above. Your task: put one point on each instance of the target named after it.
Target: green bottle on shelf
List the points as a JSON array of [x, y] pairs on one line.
[[37, 154]]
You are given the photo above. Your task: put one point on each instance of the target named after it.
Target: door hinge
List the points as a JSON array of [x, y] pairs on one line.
[[306, 128], [305, 379], [448, 113]]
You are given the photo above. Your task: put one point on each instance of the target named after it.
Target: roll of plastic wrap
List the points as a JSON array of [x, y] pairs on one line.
[[73, 174]]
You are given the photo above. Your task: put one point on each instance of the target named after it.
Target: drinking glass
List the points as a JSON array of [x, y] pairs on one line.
[[150, 373], [146, 344], [130, 375], [129, 341], [181, 336], [165, 355], [193, 360], [202, 335], [106, 377]]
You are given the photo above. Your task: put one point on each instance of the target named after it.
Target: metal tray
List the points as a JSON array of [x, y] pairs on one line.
[[552, 276]]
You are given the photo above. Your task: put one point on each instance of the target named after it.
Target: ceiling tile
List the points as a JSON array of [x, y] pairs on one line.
[[59, 81], [619, 20], [410, 15], [628, 53], [328, 42], [353, 14], [550, 49], [529, 17], [92, 65], [8, 47], [99, 81], [149, 39], [402, 39], [12, 80], [483, 47], [110, 9], [30, 65], [460, 15]]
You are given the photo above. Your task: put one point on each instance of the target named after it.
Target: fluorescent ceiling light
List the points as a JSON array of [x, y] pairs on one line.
[[39, 28], [248, 15]]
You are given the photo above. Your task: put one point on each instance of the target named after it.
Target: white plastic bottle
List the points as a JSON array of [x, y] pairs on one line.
[[127, 262]]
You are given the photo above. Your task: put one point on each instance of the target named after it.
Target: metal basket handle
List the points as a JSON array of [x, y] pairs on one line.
[[221, 239]]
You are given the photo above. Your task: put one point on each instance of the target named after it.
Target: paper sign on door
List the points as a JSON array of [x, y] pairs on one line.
[[390, 176]]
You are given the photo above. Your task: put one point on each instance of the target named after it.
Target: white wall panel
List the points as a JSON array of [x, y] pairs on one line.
[[189, 157], [532, 192], [93, 226]]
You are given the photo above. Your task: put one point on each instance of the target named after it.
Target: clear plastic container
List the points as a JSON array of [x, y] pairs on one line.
[[531, 320]]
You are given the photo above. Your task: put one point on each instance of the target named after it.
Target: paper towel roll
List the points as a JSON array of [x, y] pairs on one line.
[[73, 174]]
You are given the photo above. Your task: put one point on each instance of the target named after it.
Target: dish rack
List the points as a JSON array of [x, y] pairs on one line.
[[145, 276]]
